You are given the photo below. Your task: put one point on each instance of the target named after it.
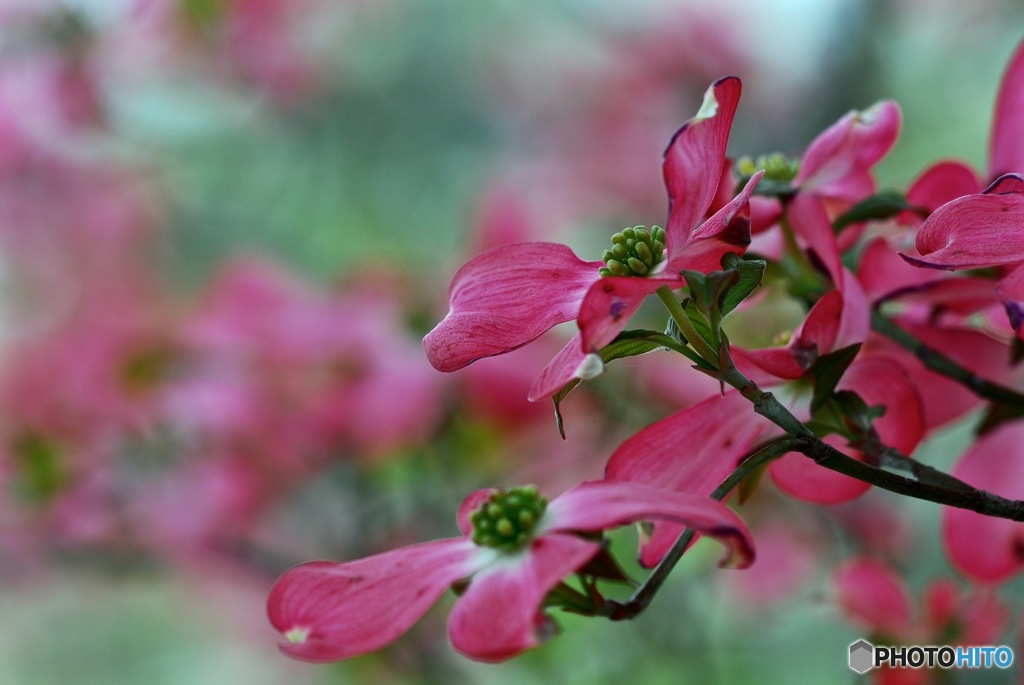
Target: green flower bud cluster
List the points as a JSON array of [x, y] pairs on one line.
[[635, 252], [777, 167], [507, 519]]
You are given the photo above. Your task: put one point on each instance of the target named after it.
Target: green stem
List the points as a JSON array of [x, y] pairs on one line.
[[686, 327], [641, 598], [943, 365]]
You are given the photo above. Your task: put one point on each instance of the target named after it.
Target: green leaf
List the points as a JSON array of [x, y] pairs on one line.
[[698, 284], [708, 290], [751, 272], [884, 205], [636, 342], [827, 370], [40, 469]]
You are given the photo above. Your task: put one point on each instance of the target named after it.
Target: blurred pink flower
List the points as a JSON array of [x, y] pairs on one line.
[[297, 373], [516, 549], [618, 82]]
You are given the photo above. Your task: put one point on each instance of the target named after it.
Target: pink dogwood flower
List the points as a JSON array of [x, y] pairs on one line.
[[949, 179], [878, 380], [516, 548], [835, 170], [885, 275], [509, 296]]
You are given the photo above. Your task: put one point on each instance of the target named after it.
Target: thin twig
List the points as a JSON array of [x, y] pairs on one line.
[[954, 493]]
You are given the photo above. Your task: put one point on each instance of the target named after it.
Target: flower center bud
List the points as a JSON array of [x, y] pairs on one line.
[[507, 519], [635, 252], [777, 167]]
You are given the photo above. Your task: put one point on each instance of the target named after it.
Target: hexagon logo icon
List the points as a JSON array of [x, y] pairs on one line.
[[862, 656]]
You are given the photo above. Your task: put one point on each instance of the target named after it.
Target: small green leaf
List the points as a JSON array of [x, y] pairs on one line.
[[827, 370], [696, 318], [41, 471], [707, 291], [884, 205], [633, 343], [698, 284], [750, 270]]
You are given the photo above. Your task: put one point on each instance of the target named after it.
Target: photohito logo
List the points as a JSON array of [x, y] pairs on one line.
[[864, 656]]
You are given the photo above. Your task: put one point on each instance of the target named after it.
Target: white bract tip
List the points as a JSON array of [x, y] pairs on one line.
[[592, 366], [709, 107], [870, 115], [297, 635]]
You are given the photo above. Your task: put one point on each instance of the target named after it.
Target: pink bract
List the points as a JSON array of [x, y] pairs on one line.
[[691, 451], [872, 595], [837, 164], [987, 549], [329, 611]]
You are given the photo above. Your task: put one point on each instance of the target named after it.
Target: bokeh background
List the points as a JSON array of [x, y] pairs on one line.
[[225, 225]]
